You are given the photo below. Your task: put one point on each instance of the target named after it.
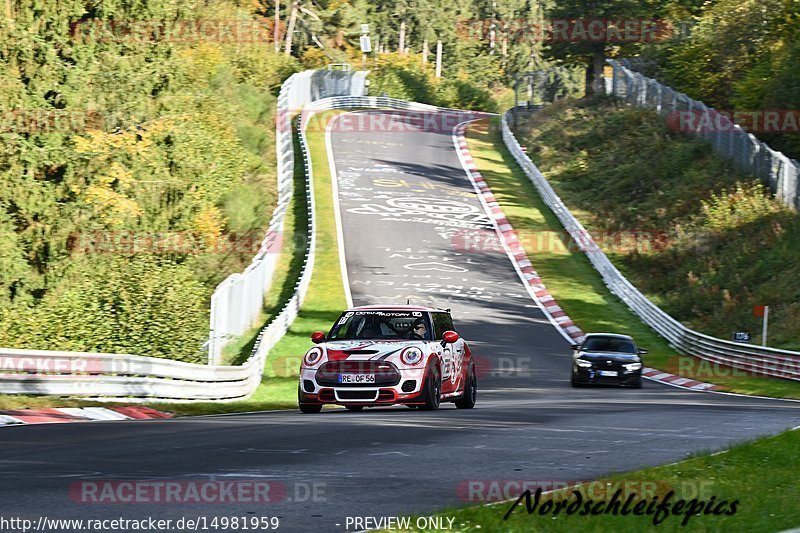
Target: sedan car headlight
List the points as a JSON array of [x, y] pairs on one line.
[[313, 356], [411, 355], [583, 363], [632, 367]]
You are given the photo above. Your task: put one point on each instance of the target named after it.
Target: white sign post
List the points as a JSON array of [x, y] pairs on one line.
[[366, 45]]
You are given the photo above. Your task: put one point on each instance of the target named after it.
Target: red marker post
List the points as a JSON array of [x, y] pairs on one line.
[[762, 311]]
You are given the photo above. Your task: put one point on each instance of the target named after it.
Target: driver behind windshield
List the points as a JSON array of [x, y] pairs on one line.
[[418, 332]]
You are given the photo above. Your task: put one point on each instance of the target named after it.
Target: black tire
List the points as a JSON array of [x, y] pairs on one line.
[[575, 383], [310, 408], [637, 385], [307, 408], [470, 396], [354, 408], [433, 390]]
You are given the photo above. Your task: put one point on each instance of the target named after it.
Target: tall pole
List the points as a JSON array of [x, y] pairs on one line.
[[401, 45], [276, 33], [439, 59], [290, 29], [764, 326], [516, 99], [424, 52], [492, 28]]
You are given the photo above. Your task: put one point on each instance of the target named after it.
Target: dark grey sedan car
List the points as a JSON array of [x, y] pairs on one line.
[[607, 359]]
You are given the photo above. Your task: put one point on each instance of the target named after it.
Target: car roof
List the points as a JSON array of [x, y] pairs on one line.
[[614, 335], [397, 308]]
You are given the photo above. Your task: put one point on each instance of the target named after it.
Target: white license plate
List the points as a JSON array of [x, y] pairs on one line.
[[356, 378], [609, 373]]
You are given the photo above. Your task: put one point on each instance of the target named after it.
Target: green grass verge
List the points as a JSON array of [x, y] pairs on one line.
[[323, 304], [287, 268], [703, 240], [761, 475], [577, 286]]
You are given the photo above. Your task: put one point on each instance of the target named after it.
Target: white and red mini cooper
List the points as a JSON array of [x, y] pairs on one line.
[[385, 355]]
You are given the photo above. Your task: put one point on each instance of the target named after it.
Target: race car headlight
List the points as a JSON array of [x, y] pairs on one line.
[[632, 367], [411, 355], [583, 363], [313, 356]]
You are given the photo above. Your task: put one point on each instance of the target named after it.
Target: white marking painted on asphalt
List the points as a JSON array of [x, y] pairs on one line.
[[433, 265], [500, 235], [391, 453], [337, 210]]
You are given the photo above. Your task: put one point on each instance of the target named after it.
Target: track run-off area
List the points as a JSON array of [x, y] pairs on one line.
[[403, 199]]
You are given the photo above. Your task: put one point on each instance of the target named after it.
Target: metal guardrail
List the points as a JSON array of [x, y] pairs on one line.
[[754, 359], [780, 172], [128, 377], [238, 301]]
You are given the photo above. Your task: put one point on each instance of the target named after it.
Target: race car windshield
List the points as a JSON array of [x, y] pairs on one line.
[[381, 325], [607, 344]]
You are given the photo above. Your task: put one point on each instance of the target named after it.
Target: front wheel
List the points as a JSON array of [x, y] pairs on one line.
[[310, 408], [433, 390], [470, 396], [307, 408]]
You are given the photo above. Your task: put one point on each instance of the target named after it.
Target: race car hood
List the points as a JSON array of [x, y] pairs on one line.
[[617, 357], [362, 350]]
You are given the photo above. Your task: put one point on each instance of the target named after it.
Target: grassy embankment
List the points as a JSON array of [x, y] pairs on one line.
[[571, 278], [324, 301], [759, 474]]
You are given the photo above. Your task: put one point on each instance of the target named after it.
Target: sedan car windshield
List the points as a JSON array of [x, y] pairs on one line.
[[381, 325], [608, 344]]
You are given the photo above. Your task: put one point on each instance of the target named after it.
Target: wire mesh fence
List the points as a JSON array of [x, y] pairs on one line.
[[685, 114]]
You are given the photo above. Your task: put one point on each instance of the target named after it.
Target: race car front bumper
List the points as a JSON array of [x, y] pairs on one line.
[[405, 388]]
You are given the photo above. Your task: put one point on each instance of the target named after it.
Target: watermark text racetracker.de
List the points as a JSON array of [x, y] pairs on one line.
[[203, 492], [238, 31], [703, 369], [396, 121], [130, 242], [44, 120], [55, 364], [656, 500], [541, 241], [724, 121], [501, 490], [573, 30], [147, 523]]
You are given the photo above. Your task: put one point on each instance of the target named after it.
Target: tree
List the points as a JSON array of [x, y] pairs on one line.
[[577, 44]]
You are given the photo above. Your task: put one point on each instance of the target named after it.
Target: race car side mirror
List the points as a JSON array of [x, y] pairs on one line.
[[575, 346], [449, 337], [318, 337], [642, 351]]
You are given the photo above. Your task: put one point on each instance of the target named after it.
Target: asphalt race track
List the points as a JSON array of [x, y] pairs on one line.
[[404, 198]]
